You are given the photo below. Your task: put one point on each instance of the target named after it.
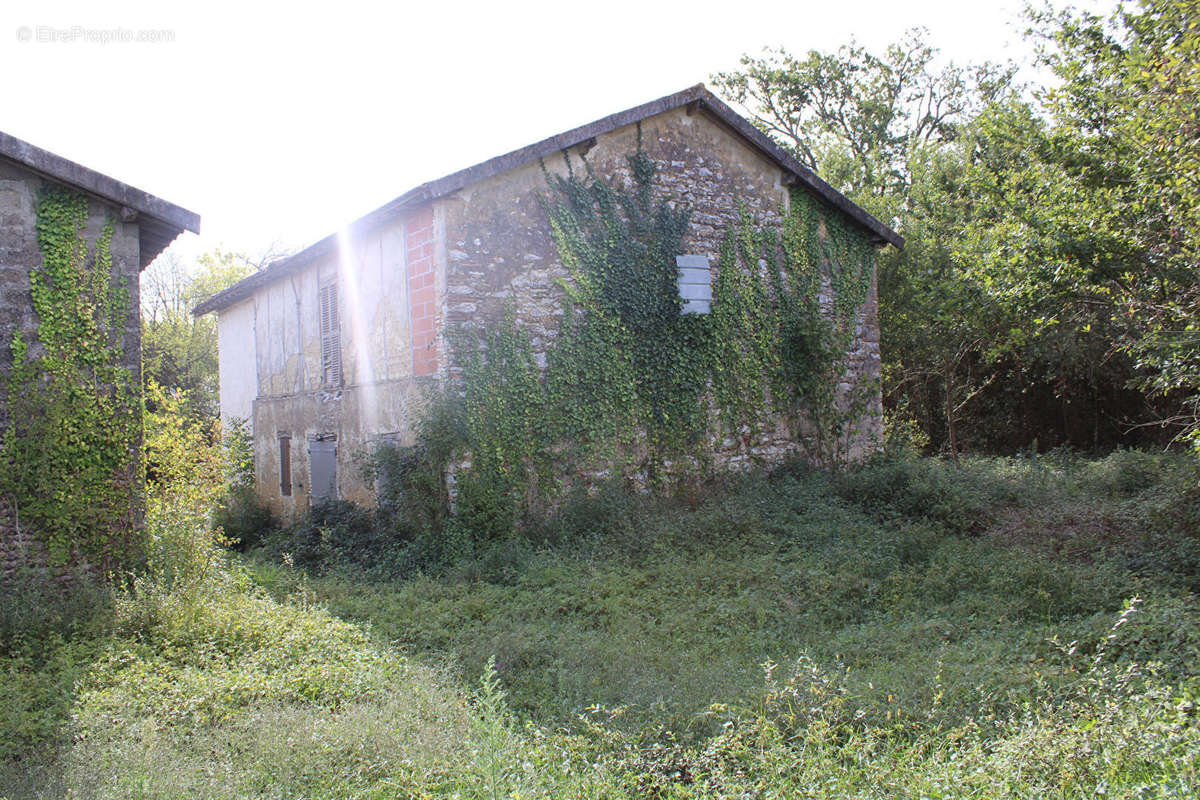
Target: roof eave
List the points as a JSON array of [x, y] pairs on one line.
[[172, 219], [314, 252], [881, 233]]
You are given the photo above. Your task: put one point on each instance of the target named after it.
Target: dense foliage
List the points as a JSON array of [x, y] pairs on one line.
[[783, 636], [70, 469], [1047, 292]]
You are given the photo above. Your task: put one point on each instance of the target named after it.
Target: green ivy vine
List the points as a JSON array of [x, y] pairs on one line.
[[633, 387], [69, 459]]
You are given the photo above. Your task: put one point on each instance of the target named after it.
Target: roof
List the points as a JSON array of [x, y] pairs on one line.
[[159, 222], [697, 97]]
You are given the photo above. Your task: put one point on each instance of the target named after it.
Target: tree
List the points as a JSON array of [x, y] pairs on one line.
[[856, 116], [883, 129], [1125, 126], [1048, 290]]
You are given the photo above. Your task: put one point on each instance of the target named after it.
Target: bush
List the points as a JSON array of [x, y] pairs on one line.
[[332, 534], [964, 498], [1164, 522], [410, 482], [240, 515], [36, 606], [1126, 473], [243, 518]]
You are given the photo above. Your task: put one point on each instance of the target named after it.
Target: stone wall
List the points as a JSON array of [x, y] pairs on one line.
[[19, 255], [500, 249], [498, 237]]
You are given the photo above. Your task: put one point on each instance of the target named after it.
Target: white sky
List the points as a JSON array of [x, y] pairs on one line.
[[280, 122]]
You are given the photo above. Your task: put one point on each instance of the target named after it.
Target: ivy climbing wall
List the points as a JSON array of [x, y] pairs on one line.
[[70, 376], [544, 297], [19, 254], [501, 248], [788, 363]]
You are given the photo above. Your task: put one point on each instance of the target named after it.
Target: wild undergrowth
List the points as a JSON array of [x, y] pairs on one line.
[[782, 635], [930, 586]]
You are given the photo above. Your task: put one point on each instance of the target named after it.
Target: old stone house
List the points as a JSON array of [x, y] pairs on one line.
[[329, 349], [136, 227]]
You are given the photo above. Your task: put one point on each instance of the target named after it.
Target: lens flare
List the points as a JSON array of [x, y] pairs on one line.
[[350, 269]]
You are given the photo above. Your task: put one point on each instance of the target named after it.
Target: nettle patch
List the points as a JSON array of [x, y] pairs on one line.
[[633, 388], [69, 461]]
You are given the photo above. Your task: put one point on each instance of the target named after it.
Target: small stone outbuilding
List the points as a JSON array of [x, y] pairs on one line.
[[328, 350], [142, 226]]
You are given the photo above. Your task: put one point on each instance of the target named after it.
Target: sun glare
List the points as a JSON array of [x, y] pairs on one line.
[[349, 273]]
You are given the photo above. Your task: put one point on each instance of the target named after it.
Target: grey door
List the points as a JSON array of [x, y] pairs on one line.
[[322, 470]]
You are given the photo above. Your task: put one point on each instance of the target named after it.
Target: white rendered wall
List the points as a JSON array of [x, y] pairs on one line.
[[237, 374]]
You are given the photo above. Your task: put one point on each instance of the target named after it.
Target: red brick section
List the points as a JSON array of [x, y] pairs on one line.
[[422, 294]]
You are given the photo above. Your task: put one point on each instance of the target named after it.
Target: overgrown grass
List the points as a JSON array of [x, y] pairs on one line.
[[241, 696], [776, 636], [197, 684], [903, 575]]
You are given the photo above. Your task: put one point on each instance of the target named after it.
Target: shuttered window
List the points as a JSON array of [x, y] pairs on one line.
[[322, 468], [285, 464], [695, 284], [331, 341]]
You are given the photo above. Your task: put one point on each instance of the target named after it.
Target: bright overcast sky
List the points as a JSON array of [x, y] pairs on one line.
[[278, 123]]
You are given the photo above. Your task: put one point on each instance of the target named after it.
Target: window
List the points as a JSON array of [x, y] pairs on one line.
[[285, 464], [331, 341], [695, 284], [322, 467]]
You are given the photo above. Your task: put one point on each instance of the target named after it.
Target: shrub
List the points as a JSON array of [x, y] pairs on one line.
[[410, 482], [240, 515], [963, 499], [338, 534], [243, 518], [1125, 473], [903, 436], [37, 606], [1164, 540]]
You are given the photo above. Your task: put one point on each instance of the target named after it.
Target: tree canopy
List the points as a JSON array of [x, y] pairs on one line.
[[179, 350], [1048, 291]]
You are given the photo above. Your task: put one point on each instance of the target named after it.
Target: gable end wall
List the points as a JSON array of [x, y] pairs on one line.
[[19, 255], [500, 250]]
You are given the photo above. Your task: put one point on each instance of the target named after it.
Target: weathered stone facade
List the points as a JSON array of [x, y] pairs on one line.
[[142, 225], [459, 251], [19, 254], [501, 250]]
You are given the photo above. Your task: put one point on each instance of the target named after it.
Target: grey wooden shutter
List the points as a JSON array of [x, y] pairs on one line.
[[322, 470], [331, 344], [695, 284], [285, 465]]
